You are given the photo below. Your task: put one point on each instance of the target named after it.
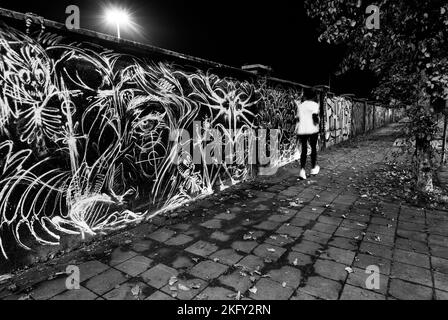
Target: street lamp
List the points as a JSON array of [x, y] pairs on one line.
[[119, 17]]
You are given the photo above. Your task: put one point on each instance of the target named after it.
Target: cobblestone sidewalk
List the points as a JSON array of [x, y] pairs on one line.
[[274, 238]]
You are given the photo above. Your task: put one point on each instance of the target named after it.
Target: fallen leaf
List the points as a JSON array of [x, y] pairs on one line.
[[295, 262], [183, 287], [135, 290], [172, 280], [195, 286], [349, 270], [253, 290], [202, 296], [283, 284]]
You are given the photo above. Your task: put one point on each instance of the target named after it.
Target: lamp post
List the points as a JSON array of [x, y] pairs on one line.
[[118, 17]]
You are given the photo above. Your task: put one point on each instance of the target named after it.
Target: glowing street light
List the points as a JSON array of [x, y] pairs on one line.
[[119, 17]]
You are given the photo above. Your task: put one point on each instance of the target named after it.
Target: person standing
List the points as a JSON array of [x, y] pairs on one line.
[[307, 130]]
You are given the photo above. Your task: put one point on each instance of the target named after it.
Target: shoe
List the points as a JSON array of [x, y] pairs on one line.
[[315, 170], [302, 174]]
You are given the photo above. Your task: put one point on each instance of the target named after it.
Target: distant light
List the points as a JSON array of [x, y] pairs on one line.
[[119, 17]]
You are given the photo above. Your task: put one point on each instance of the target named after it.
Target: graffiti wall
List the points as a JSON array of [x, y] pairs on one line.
[[369, 117], [88, 134], [358, 121], [338, 120]]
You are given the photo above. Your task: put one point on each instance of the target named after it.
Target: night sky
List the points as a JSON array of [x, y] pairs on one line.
[[275, 33]]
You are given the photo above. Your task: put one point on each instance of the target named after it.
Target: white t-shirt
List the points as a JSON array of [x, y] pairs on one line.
[[305, 111]]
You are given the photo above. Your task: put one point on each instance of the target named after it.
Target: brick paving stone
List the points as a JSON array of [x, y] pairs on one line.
[[410, 245], [268, 251], [158, 295], [119, 255], [279, 240], [383, 221], [287, 276], [78, 294], [441, 281], [300, 222], [441, 295], [412, 235], [181, 226], [279, 218], [307, 215], [353, 224], [244, 246], [438, 240], [380, 229], [347, 232], [255, 234], [439, 264], [185, 289], [267, 225], [308, 247], [202, 248], [142, 245], [159, 275], [409, 291], [270, 290], [227, 256], [414, 258], [251, 263], [339, 255], [226, 216], [290, 230], [161, 234], [343, 243], [379, 239], [208, 270], [330, 269], [220, 236], [354, 293], [302, 296], [324, 228], [212, 224], [404, 225], [182, 262], [135, 265], [193, 232], [376, 249], [411, 273], [236, 281], [215, 293], [130, 291], [438, 251], [330, 220], [299, 259], [322, 288], [316, 236], [179, 240], [287, 211], [359, 277], [105, 281], [48, 289], [91, 268], [364, 260]]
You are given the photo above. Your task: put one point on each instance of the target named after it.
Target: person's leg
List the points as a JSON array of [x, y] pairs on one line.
[[313, 143], [304, 145]]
